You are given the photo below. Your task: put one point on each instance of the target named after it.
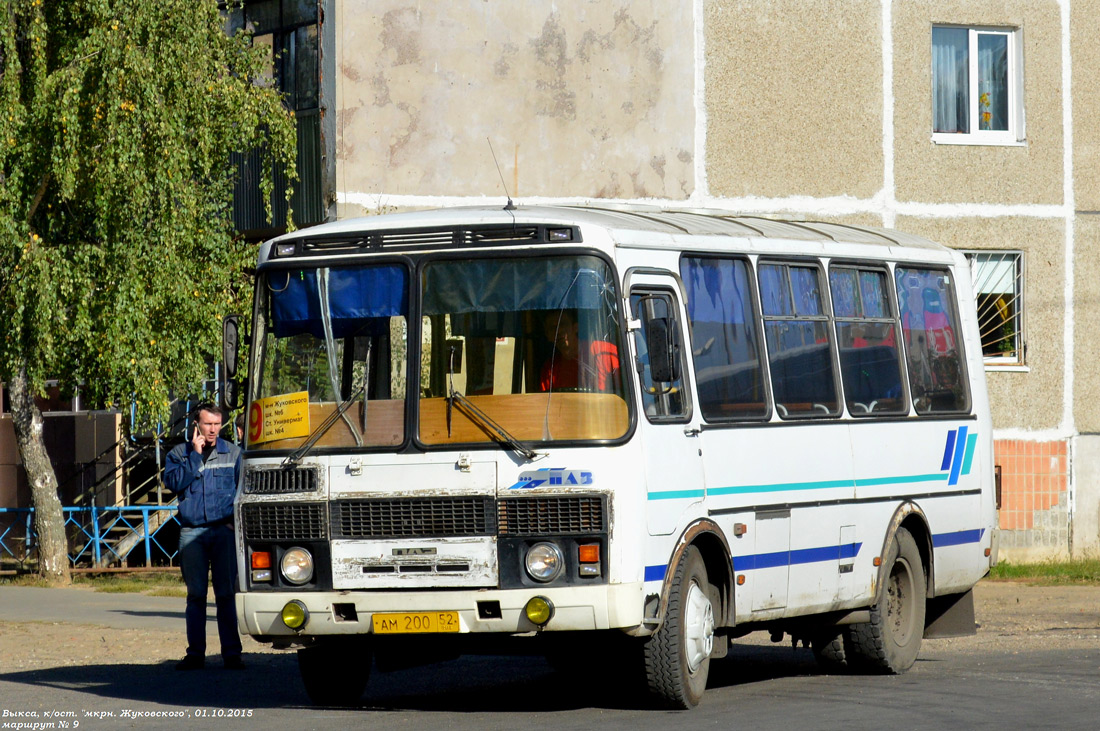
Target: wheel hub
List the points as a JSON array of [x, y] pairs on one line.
[[698, 627]]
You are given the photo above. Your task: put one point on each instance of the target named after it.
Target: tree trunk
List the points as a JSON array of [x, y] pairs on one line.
[[49, 520]]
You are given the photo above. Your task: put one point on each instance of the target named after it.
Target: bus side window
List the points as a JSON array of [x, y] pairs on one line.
[[930, 329], [729, 369], [661, 377], [866, 334], [796, 328]]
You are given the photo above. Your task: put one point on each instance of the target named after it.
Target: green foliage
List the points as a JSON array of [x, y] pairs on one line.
[[1050, 573], [118, 119]]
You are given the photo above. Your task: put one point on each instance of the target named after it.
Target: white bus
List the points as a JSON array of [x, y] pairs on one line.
[[633, 431]]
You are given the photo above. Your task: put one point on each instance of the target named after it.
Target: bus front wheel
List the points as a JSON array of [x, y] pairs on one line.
[[677, 656], [335, 675], [889, 643]]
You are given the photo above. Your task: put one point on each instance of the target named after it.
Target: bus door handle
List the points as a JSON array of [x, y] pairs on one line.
[[692, 431]]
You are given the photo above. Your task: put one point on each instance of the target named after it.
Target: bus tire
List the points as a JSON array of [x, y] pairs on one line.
[[677, 656], [335, 674], [830, 650], [890, 642]]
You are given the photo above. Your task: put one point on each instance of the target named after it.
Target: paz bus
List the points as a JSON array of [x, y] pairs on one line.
[[633, 432]]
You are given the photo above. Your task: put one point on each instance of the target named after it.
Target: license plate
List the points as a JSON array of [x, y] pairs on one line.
[[418, 622]]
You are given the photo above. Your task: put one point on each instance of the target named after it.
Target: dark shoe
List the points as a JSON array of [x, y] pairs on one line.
[[233, 662], [191, 662]]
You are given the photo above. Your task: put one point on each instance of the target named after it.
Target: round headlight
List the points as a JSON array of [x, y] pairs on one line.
[[295, 615], [297, 566], [544, 562]]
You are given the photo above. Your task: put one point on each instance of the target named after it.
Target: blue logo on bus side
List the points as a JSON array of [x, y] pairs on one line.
[[552, 476], [958, 454]]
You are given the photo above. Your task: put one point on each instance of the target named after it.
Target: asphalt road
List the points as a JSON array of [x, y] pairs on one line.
[[1038, 674]]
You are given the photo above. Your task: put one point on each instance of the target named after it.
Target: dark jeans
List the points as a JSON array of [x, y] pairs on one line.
[[210, 550]]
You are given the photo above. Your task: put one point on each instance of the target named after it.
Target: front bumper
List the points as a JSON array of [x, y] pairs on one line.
[[618, 606]]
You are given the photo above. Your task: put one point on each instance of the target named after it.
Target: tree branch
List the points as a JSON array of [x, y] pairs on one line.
[[38, 196]]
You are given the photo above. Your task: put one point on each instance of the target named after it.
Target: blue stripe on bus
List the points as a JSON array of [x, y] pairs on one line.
[[819, 555], [655, 573], [956, 464], [957, 538], [795, 557], [779, 558], [948, 451]]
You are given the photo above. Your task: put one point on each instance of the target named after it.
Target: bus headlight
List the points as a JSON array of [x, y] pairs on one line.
[[544, 562], [297, 566]]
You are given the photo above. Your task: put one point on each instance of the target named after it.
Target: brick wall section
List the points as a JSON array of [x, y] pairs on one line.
[[1034, 493]]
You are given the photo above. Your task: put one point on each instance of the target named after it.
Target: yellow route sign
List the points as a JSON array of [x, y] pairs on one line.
[[285, 416]]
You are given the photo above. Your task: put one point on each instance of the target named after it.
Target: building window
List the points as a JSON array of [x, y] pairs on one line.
[[998, 278], [288, 31], [977, 90]]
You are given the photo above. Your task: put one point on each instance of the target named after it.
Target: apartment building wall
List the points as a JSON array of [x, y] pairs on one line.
[[800, 108], [585, 99]]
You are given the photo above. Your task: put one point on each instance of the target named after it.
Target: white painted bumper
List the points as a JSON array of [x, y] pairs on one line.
[[575, 608]]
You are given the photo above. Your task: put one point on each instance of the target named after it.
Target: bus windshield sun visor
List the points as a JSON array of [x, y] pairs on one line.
[[493, 285], [354, 295]]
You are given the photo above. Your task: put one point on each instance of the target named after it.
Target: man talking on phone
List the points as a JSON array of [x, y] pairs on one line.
[[204, 473]]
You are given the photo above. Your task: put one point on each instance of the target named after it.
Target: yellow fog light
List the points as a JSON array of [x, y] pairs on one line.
[[295, 615], [539, 610]]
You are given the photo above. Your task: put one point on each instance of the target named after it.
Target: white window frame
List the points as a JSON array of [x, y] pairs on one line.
[[1014, 135], [1018, 359]]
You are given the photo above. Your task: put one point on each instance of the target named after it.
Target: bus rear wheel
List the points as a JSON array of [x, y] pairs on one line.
[[677, 656], [890, 642], [335, 674]]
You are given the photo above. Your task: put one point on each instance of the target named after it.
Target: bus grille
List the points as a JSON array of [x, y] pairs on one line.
[[413, 517], [267, 482], [530, 516], [284, 521]]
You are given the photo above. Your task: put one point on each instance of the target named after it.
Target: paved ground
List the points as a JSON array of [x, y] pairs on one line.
[[1035, 663]]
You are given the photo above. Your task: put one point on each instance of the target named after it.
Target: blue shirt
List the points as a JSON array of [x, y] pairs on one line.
[[205, 488]]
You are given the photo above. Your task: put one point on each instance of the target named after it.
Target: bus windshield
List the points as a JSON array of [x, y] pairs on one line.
[[324, 337], [526, 349], [532, 343]]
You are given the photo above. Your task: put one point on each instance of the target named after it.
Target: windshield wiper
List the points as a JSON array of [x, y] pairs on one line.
[[296, 456], [495, 431]]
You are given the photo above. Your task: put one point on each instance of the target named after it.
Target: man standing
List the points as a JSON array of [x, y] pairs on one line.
[[204, 474]]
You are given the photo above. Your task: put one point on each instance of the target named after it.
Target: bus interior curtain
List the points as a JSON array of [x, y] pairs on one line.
[[355, 295], [511, 286]]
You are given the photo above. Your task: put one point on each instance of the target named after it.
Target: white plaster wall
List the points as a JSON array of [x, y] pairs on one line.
[[1085, 518], [583, 98]]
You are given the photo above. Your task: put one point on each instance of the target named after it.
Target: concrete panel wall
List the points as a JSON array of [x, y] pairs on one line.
[[1085, 539], [587, 98], [1086, 313], [1032, 400], [930, 173], [1084, 30], [794, 98]]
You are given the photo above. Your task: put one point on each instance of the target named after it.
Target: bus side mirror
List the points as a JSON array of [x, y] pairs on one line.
[[661, 342], [231, 394], [231, 327]]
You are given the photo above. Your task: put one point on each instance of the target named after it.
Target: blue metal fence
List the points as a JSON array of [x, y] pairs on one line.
[[91, 535]]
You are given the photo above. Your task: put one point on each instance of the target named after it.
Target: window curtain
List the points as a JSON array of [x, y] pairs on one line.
[[992, 82], [950, 80]]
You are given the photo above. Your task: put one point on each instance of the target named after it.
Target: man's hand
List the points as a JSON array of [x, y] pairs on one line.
[[198, 441]]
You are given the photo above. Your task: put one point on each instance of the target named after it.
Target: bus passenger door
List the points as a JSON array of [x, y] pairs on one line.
[[670, 427]]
